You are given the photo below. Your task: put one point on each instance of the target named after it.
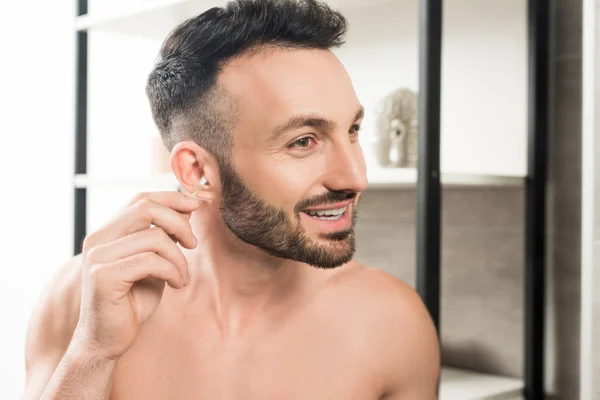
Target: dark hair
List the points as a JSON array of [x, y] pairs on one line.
[[186, 103]]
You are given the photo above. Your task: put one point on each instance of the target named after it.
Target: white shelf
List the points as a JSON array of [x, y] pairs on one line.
[[467, 385], [379, 178], [396, 178], [156, 18]]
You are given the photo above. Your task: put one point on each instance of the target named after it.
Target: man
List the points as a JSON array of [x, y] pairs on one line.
[[262, 299]]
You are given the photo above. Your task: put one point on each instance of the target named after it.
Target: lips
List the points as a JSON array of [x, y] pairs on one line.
[[333, 206]]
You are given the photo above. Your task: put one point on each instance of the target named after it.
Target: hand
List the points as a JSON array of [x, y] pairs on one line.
[[125, 266]]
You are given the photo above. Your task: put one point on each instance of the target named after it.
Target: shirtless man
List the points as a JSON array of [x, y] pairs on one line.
[[242, 288]]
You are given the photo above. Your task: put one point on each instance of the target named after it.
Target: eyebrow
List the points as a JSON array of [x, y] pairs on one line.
[[312, 121]]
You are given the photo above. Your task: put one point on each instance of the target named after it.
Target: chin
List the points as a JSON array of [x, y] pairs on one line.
[[330, 253], [332, 263]]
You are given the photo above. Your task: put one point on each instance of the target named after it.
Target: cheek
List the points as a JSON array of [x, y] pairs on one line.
[[283, 184]]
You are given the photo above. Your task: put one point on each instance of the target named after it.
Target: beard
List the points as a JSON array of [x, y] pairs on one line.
[[268, 227]]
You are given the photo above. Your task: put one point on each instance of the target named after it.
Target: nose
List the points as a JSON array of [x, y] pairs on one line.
[[347, 168]]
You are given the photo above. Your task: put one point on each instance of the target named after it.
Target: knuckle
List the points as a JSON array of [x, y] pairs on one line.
[[139, 197], [91, 255], [88, 243], [144, 209], [142, 204]]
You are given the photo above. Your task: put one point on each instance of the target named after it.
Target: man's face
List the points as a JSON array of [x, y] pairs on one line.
[[297, 168]]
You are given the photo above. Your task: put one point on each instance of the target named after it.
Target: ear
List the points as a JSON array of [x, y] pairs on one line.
[[190, 163]]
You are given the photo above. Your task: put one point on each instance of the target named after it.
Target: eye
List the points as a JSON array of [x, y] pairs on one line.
[[355, 129], [353, 133], [302, 143]]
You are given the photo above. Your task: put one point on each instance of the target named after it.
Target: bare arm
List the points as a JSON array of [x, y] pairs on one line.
[[51, 328], [59, 367], [80, 375]]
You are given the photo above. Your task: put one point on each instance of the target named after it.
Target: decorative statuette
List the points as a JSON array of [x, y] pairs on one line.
[[397, 130]]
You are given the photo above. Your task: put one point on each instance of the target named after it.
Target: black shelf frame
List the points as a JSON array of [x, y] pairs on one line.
[[81, 82], [429, 193], [535, 197]]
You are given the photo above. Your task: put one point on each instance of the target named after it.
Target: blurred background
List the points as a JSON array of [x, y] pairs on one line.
[[483, 156], [37, 80]]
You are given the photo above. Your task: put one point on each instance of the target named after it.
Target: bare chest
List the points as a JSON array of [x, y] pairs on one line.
[[308, 361]]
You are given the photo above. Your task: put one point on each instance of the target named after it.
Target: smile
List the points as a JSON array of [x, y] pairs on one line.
[[332, 214]]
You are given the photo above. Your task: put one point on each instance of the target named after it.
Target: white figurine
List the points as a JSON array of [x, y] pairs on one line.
[[397, 131]]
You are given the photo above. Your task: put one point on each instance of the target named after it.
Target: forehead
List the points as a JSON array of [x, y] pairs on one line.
[[274, 84]]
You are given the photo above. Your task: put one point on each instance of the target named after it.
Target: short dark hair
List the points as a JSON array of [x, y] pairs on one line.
[[185, 101]]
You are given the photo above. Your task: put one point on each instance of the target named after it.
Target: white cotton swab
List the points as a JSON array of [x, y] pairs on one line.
[[200, 186]]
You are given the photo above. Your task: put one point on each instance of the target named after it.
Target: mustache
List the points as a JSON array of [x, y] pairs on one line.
[[330, 197]]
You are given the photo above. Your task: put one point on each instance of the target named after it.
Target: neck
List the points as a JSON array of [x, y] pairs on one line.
[[243, 281]]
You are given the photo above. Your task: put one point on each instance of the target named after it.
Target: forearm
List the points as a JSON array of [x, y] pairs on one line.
[[80, 376]]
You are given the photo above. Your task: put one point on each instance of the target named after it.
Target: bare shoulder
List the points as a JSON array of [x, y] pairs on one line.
[[51, 326], [376, 288], [403, 338]]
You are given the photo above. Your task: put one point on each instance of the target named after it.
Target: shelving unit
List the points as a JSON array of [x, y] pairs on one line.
[[155, 18], [467, 385]]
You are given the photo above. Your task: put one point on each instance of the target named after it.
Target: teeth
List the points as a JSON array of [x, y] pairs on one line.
[[334, 212]]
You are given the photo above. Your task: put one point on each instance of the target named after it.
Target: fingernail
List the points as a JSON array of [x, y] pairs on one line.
[[195, 240], [193, 200]]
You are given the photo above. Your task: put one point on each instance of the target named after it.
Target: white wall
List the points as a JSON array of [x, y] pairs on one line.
[[36, 124], [484, 76]]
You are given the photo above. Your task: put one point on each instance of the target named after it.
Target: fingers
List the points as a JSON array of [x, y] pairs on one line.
[[137, 267], [177, 201], [153, 240], [168, 210], [146, 213]]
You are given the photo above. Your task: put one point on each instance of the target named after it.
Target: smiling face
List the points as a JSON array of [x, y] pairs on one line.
[[296, 167]]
